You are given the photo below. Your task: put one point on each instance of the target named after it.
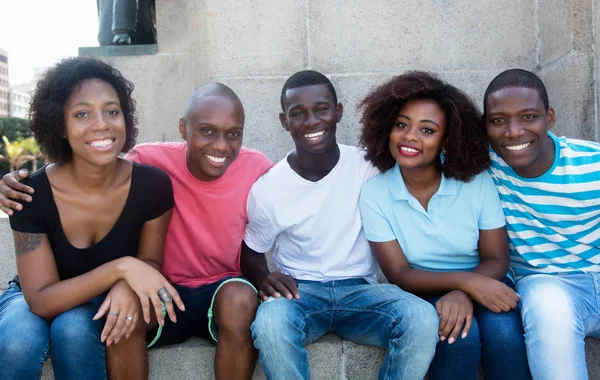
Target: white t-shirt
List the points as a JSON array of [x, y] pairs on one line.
[[316, 226]]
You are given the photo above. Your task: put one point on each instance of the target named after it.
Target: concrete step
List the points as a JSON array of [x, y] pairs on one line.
[[330, 358]]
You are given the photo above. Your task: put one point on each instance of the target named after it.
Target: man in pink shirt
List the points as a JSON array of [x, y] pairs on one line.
[[212, 175]]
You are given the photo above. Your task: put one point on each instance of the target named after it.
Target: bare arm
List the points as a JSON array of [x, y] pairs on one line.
[[396, 268], [254, 264], [151, 251], [482, 284], [123, 300], [454, 308], [45, 294], [270, 284], [48, 296], [493, 253], [152, 240]]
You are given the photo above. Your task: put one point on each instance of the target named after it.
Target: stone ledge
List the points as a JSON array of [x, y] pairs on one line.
[[118, 50], [330, 358]]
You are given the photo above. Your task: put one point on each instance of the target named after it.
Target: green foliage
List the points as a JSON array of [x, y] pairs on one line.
[[14, 129]]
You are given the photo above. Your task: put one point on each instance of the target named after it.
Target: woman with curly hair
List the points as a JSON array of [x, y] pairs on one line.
[[434, 221], [89, 245]]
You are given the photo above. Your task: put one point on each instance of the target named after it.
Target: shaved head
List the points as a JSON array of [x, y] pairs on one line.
[[211, 90]]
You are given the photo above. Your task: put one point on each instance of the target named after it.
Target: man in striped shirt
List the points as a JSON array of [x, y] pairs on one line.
[[550, 192]]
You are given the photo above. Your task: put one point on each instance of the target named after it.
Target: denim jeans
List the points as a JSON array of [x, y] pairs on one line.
[[495, 341], [379, 315], [72, 340], [558, 312]]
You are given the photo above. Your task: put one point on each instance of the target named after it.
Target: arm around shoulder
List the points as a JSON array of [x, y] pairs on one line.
[[12, 191]]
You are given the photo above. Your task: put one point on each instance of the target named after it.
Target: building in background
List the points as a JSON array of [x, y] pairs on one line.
[[4, 88], [18, 103]]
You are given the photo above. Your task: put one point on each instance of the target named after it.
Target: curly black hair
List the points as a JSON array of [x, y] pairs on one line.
[[466, 142], [46, 111]]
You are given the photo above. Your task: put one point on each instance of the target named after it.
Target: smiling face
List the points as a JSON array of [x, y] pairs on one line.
[[517, 125], [311, 116], [94, 122], [418, 134], [213, 130]]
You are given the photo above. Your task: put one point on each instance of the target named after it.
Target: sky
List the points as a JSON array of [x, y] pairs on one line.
[[37, 33]]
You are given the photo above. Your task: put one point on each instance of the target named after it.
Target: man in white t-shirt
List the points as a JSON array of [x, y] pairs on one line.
[[307, 205]]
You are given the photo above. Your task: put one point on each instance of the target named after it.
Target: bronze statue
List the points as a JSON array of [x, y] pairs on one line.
[[126, 22]]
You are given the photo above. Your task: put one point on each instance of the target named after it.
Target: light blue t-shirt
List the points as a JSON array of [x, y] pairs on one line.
[[443, 238], [553, 221]]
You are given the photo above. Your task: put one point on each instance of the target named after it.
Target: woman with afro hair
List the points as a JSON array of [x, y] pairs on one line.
[[434, 221], [89, 245]]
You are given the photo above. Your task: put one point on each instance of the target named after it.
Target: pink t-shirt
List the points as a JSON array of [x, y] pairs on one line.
[[209, 219]]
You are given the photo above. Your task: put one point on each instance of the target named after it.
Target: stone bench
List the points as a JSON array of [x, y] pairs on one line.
[[330, 357]]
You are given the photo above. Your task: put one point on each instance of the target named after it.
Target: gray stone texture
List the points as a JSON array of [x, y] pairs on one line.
[[253, 46], [126, 50], [567, 64], [574, 103], [392, 36], [596, 60], [256, 38], [8, 268]]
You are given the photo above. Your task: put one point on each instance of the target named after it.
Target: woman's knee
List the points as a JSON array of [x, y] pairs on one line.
[[501, 329], [467, 345], [75, 327], [24, 348], [25, 337]]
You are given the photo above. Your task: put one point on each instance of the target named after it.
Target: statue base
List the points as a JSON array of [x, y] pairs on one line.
[[118, 50]]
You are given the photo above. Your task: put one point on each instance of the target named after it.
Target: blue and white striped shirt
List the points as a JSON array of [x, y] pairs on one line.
[[553, 221]]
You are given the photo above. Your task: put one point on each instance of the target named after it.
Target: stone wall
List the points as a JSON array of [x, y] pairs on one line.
[[254, 45]]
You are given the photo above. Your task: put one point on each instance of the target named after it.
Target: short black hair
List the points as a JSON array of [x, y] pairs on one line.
[[46, 111], [466, 144], [517, 78], [307, 78]]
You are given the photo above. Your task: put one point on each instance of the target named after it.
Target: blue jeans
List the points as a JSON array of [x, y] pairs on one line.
[[495, 340], [72, 340], [558, 312], [379, 315]]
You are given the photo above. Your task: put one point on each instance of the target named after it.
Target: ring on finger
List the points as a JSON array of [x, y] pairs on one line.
[[129, 318], [115, 313], [164, 295]]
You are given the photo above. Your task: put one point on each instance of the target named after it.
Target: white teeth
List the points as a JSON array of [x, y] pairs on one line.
[[314, 136], [101, 143], [517, 147], [409, 150], [215, 159]]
